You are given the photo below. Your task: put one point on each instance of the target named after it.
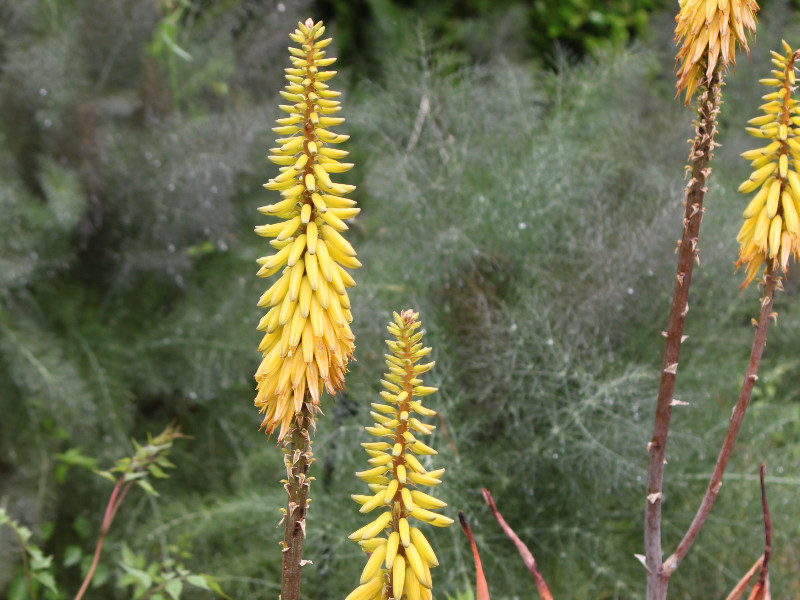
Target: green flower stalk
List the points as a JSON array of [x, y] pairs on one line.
[[400, 557], [772, 218], [307, 342]]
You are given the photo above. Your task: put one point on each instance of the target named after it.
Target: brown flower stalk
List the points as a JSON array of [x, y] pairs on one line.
[[708, 31], [700, 157]]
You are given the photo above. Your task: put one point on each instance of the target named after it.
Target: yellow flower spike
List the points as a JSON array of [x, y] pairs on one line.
[[406, 556], [708, 31], [769, 234], [304, 156]]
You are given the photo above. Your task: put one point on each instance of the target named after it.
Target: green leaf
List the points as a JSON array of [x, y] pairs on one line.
[[23, 532], [101, 575], [46, 530], [176, 50], [145, 485], [18, 590], [106, 475], [198, 581], [61, 473], [128, 557], [38, 560], [141, 577], [164, 462], [156, 471], [72, 556], [74, 458], [47, 580], [174, 588], [82, 527], [212, 583]]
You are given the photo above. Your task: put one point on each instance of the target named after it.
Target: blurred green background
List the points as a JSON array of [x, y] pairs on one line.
[[520, 169]]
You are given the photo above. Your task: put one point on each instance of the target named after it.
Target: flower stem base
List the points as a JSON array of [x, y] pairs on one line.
[[297, 458]]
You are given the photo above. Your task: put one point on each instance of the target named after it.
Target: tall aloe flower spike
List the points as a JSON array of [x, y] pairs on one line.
[[709, 31], [307, 341], [772, 218], [400, 560]]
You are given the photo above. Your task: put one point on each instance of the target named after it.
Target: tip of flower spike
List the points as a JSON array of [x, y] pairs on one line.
[[709, 32]]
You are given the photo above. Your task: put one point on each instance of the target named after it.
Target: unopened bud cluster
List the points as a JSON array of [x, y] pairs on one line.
[[400, 561], [708, 31], [308, 341], [772, 218]]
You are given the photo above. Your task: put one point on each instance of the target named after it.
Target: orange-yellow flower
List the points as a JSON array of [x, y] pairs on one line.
[[772, 218], [308, 341], [708, 31]]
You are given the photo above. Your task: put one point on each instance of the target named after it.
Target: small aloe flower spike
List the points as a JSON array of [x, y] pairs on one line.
[[308, 341], [709, 31], [772, 218], [399, 564]]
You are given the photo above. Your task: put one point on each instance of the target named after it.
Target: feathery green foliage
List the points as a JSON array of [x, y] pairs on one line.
[[512, 207]]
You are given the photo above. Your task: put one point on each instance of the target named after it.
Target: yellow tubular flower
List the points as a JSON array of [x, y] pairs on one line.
[[401, 557], [308, 341], [772, 218], [708, 31]]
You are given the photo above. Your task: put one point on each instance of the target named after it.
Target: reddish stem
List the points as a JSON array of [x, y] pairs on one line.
[[111, 510], [762, 577], [737, 592], [481, 588], [714, 485], [527, 557], [708, 107]]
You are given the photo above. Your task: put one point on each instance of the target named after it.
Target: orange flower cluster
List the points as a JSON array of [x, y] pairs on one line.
[[708, 31]]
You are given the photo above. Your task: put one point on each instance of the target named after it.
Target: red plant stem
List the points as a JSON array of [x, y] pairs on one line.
[[714, 485], [737, 592], [708, 107], [111, 510], [481, 588], [118, 503], [527, 557], [762, 577]]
